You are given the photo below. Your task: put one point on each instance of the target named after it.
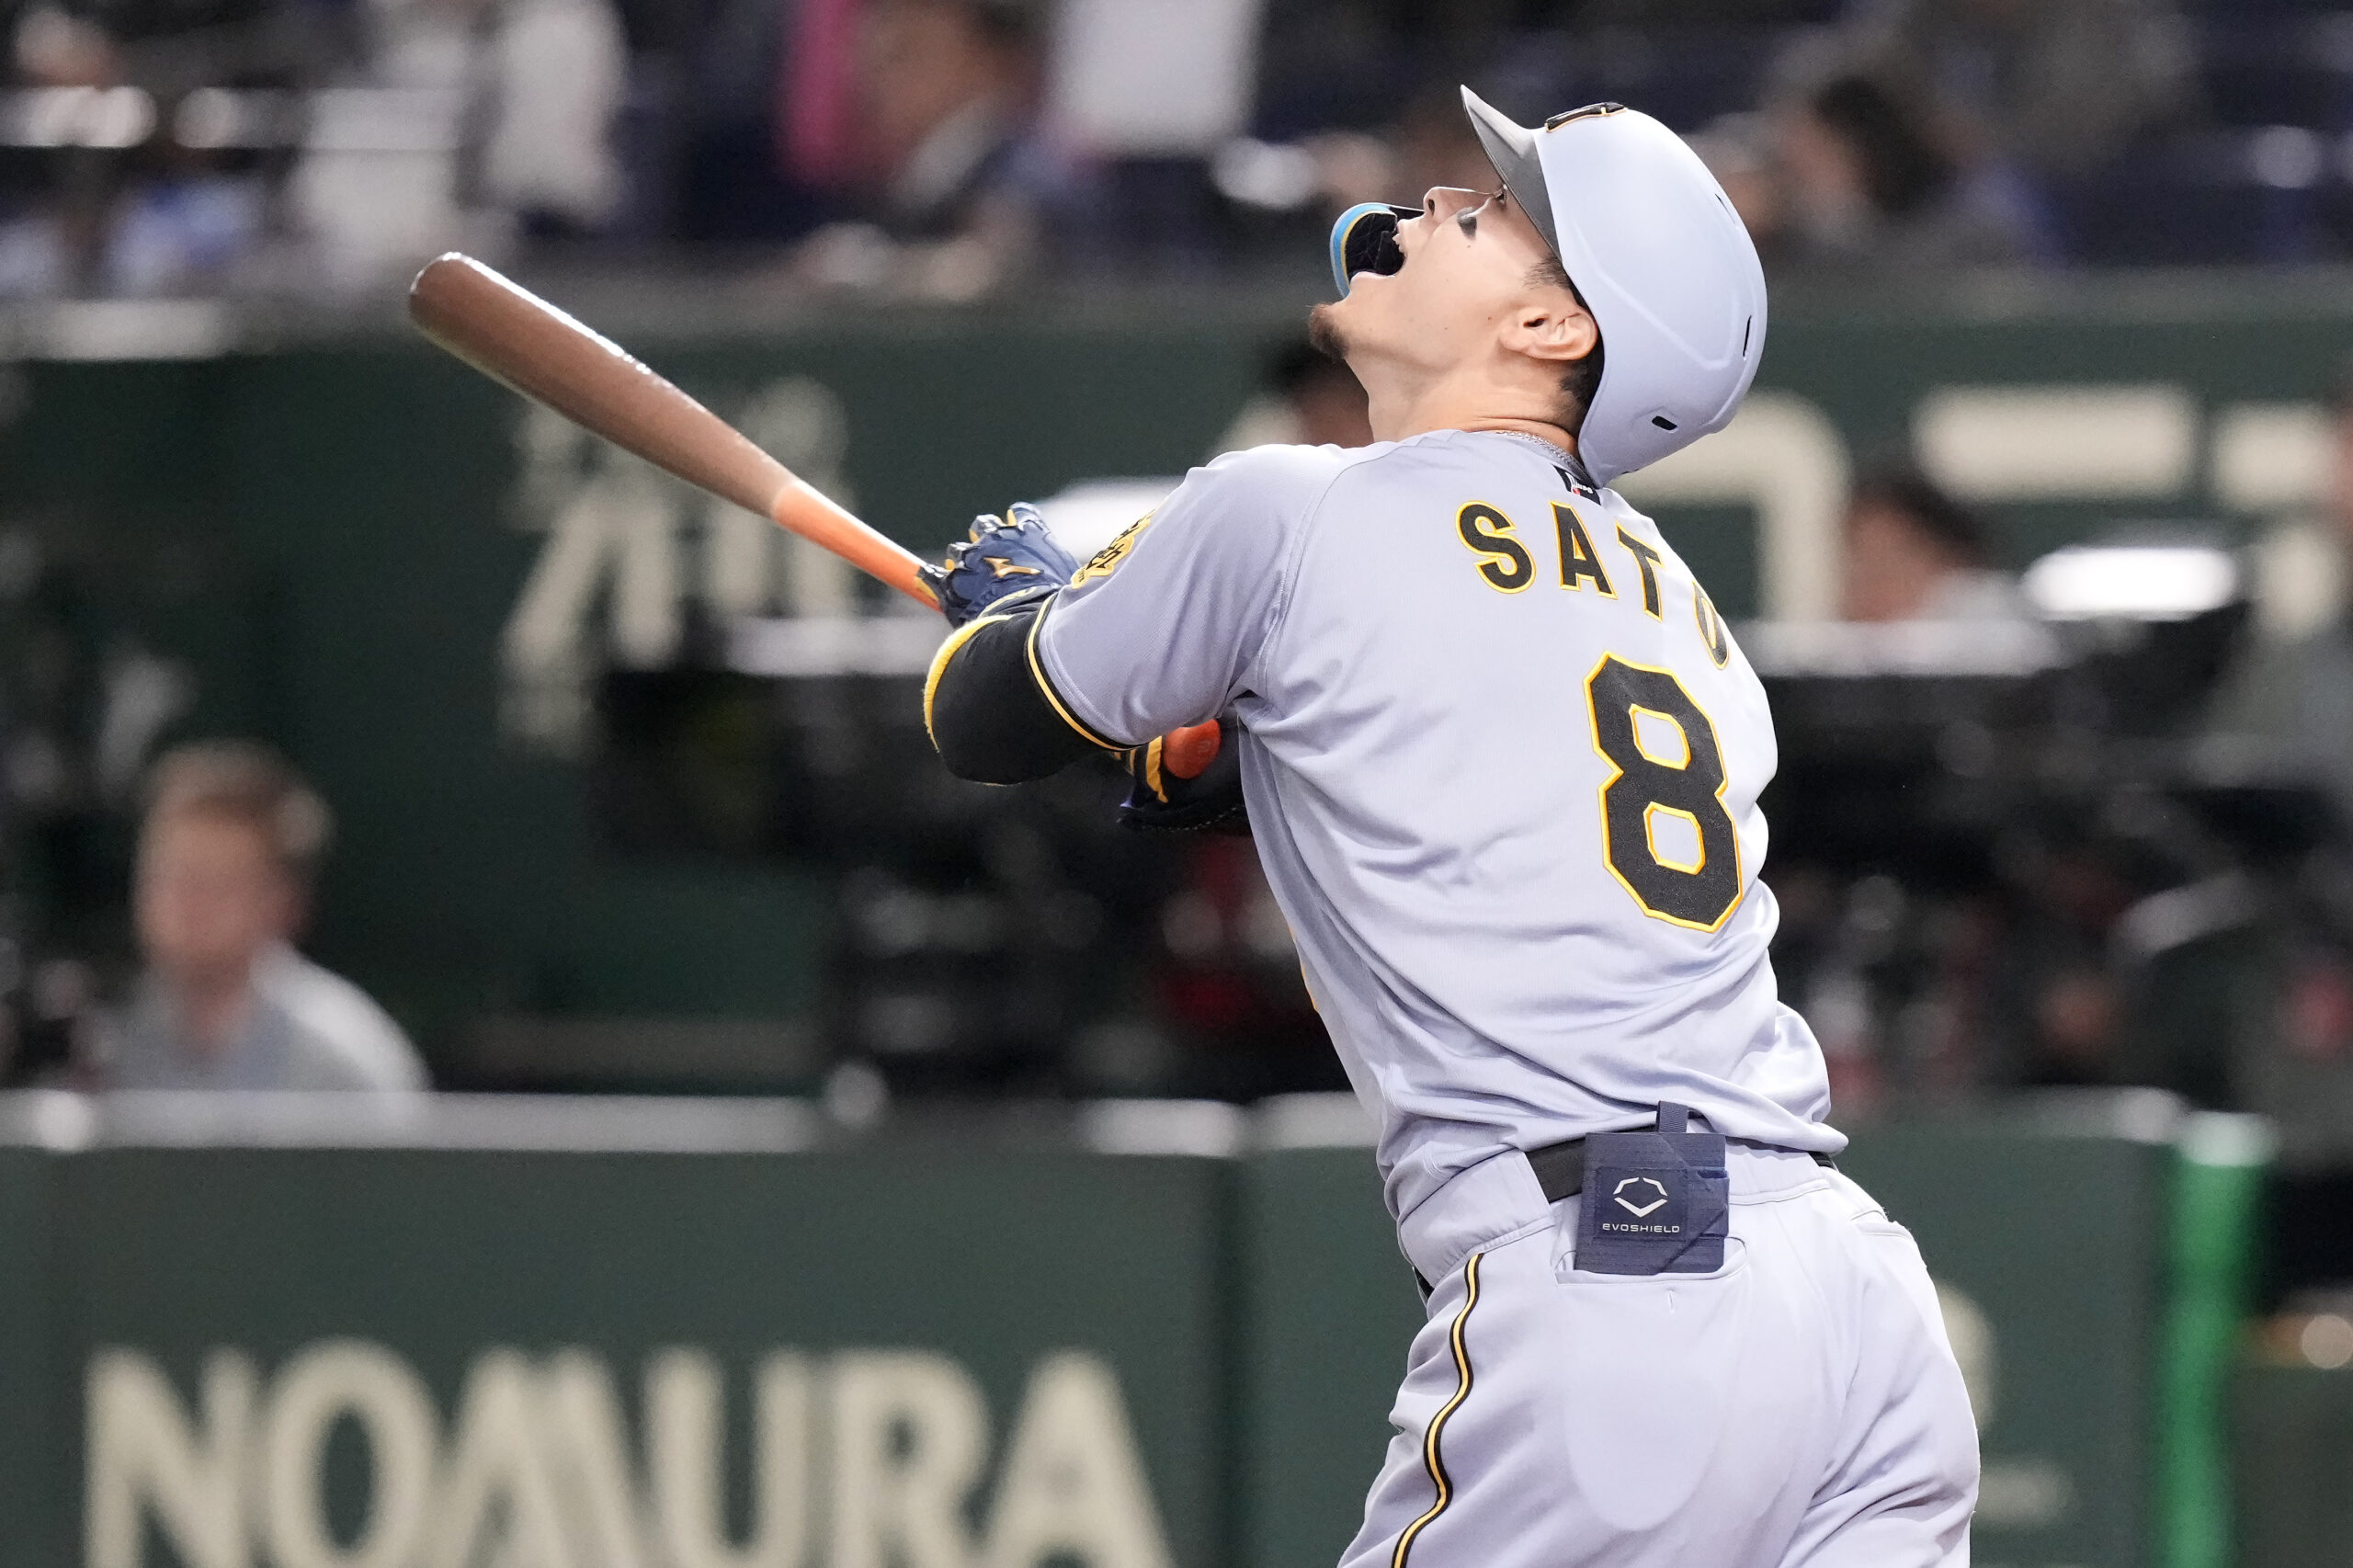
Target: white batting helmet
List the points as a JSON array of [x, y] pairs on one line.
[[1662, 261]]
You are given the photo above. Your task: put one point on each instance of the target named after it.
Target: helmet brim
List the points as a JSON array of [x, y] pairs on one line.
[[1512, 150]]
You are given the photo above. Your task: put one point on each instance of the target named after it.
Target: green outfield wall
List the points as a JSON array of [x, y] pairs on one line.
[[366, 552], [723, 1334]]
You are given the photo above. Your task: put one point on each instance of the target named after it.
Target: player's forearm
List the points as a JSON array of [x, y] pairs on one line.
[[987, 709]]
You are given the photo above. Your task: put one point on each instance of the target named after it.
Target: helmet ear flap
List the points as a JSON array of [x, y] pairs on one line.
[[1364, 239]]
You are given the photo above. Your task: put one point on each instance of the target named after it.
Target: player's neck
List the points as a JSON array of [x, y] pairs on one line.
[[1473, 404], [1542, 431]]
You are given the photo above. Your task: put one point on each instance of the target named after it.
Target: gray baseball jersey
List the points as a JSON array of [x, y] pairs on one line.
[[1502, 758]]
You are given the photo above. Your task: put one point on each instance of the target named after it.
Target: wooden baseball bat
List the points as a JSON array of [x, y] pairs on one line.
[[514, 336]]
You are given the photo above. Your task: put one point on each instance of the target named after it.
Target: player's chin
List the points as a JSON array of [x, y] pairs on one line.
[[1324, 330]]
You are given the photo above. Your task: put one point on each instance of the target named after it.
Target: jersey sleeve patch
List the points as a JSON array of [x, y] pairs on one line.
[[1104, 561]]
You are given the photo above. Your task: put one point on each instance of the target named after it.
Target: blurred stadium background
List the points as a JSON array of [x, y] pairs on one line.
[[827, 1163]]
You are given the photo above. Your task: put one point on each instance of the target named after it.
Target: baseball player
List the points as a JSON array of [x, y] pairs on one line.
[[1501, 759]]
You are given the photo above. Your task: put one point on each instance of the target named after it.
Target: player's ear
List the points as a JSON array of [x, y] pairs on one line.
[[1554, 328]]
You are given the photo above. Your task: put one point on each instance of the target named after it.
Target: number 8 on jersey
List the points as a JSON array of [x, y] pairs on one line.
[[1698, 893]]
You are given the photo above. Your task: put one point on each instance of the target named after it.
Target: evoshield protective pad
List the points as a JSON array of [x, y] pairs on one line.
[[1654, 1201]]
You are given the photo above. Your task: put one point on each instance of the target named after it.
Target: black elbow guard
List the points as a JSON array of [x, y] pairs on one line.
[[988, 710]]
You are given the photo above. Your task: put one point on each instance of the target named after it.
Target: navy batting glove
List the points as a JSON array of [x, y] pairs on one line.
[[1007, 560]]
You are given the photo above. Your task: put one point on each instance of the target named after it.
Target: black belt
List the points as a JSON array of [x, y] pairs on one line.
[[1560, 1167]]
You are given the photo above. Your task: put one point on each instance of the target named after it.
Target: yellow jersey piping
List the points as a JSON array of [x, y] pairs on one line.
[[1054, 698], [1431, 1458], [1151, 778], [955, 639]]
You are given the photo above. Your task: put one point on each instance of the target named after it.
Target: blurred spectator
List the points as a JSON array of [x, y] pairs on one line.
[[942, 168], [508, 107], [940, 87], [760, 145], [1915, 553], [1862, 173], [2052, 87], [134, 209], [898, 137], [560, 72], [171, 46], [226, 855]]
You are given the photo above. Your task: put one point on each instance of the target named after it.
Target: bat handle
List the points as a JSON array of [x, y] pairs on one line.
[[1188, 752], [798, 508]]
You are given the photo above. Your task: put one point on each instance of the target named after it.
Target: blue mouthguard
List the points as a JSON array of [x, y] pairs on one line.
[[1364, 239]]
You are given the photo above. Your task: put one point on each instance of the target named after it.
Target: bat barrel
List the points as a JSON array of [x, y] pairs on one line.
[[517, 338]]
